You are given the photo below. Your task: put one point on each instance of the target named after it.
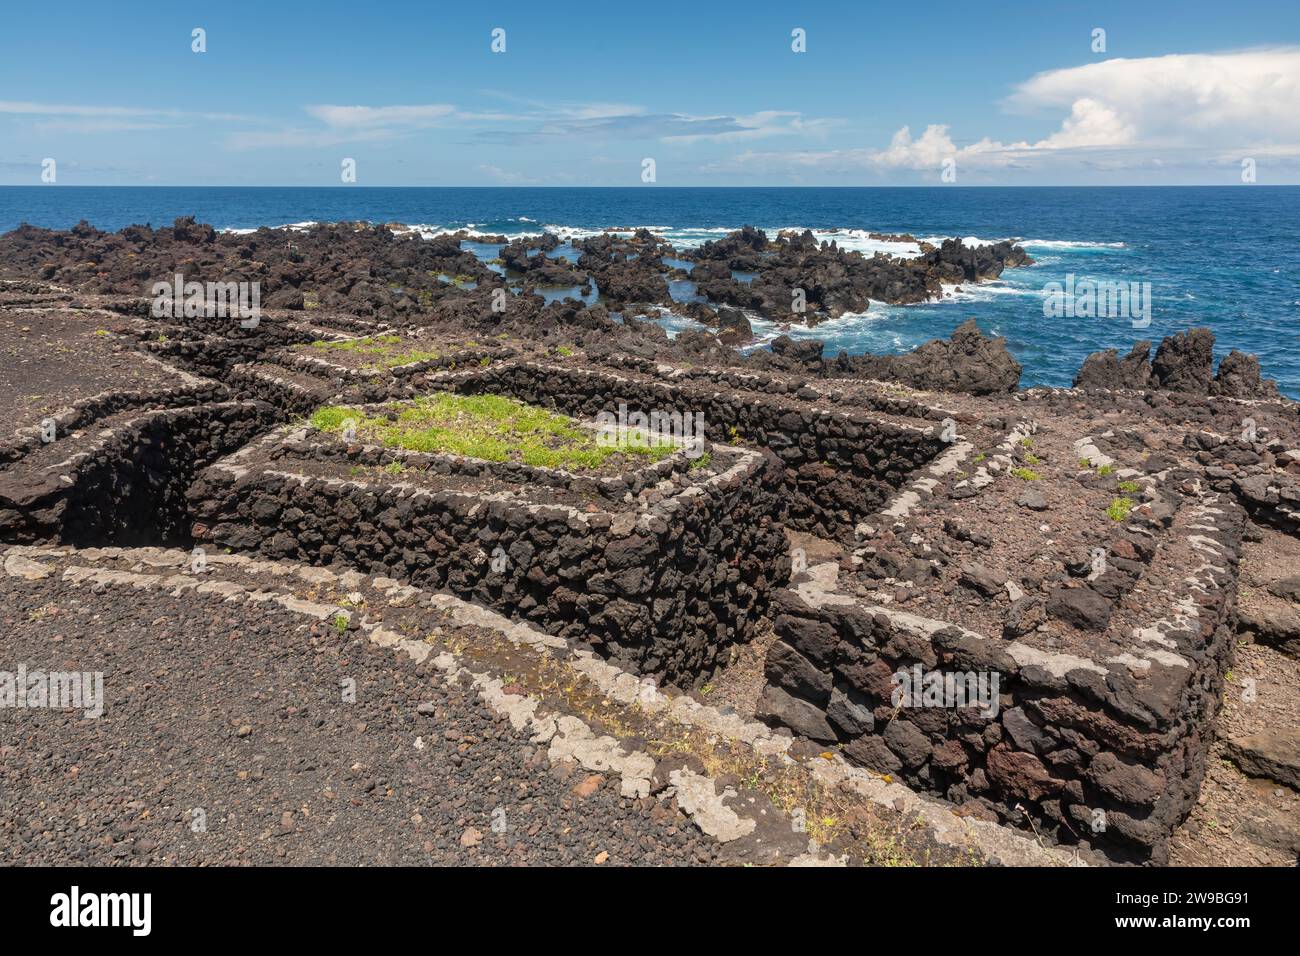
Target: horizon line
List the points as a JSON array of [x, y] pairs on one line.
[[357, 186]]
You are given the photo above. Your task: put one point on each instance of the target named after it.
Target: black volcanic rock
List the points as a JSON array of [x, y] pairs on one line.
[[805, 352], [626, 270], [1239, 377], [739, 249], [733, 327], [370, 270], [1106, 370], [969, 361], [1185, 362], [954, 261], [805, 281]]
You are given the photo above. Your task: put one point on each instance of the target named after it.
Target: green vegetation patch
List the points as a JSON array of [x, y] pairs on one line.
[[385, 351], [1026, 474], [1119, 509], [490, 427]]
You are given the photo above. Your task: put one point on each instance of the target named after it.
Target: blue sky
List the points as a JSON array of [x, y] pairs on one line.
[[584, 92]]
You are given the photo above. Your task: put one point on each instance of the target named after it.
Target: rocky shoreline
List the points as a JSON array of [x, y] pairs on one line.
[[394, 275]]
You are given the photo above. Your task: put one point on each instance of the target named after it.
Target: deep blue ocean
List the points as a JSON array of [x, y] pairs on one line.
[[1223, 257]]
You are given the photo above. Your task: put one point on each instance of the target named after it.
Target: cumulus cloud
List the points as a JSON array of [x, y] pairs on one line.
[[930, 150], [1203, 110], [1206, 99]]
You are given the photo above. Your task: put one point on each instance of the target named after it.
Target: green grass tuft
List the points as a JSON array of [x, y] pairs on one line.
[[386, 351], [489, 427]]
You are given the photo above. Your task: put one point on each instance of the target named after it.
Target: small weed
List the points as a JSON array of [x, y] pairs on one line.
[[1026, 474], [1118, 510]]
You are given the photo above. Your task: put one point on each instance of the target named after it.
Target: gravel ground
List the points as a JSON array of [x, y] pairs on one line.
[[238, 712], [1240, 820]]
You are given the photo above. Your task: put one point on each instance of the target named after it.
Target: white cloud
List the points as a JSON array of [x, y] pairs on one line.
[[1091, 123], [1206, 99], [1189, 110], [933, 148]]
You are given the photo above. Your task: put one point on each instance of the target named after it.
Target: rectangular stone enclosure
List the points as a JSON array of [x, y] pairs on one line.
[[660, 565]]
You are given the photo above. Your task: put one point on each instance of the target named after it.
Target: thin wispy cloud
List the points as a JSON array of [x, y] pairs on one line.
[[28, 108], [370, 117], [537, 123]]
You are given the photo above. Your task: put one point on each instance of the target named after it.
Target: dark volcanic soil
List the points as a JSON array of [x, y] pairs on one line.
[[48, 363], [241, 716]]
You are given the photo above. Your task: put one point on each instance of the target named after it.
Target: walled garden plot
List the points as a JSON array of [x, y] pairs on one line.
[[953, 652], [106, 437], [658, 558]]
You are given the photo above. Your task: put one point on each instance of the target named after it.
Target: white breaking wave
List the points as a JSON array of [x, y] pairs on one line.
[[673, 323], [1070, 244], [296, 226], [848, 239]]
